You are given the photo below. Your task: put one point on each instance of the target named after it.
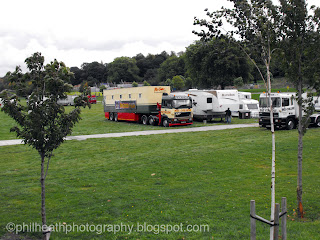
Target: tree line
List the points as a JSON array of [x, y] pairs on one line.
[[217, 63]]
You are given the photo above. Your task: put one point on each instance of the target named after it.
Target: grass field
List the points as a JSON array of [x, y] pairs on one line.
[[94, 122], [203, 178]]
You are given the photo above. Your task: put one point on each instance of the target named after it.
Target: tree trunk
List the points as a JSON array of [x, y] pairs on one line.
[[43, 197], [273, 163], [300, 149]]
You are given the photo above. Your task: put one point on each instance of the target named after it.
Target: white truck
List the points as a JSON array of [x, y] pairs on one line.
[[285, 111], [247, 104], [204, 104], [316, 102], [69, 100]]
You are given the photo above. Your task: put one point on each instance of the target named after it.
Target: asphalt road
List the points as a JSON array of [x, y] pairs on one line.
[[142, 133]]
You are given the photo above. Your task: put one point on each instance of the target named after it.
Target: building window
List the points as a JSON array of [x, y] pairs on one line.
[[129, 95], [140, 95], [120, 96], [209, 100], [112, 97]]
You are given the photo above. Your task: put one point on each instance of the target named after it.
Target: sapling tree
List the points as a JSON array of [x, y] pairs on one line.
[[42, 123], [256, 24], [301, 43]]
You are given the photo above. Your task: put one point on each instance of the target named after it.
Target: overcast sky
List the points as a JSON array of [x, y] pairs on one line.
[[78, 31]]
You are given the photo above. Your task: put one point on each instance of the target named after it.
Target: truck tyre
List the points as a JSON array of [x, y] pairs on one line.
[[290, 124], [111, 117], [151, 121], [116, 117], [165, 122], [144, 120], [318, 122]]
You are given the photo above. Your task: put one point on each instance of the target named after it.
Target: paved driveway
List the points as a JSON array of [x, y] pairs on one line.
[[141, 133]]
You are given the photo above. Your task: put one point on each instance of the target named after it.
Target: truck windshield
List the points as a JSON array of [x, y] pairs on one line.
[[264, 102], [181, 103]]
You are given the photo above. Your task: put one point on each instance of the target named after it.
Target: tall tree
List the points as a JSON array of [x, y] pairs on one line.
[[257, 24], [300, 42], [216, 62], [142, 64], [94, 72], [171, 67], [42, 123], [123, 69]]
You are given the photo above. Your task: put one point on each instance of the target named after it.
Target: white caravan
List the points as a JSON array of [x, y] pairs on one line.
[[204, 104], [246, 104], [227, 99]]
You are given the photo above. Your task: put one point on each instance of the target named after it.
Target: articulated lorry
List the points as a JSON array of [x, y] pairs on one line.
[[285, 111], [153, 105]]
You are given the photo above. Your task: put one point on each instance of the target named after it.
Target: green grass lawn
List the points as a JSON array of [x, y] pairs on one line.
[[94, 122], [190, 179]]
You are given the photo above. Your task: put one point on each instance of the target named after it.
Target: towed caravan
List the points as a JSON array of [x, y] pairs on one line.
[[204, 104], [227, 99], [247, 104]]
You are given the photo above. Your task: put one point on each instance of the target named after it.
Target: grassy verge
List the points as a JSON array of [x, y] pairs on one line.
[[260, 90], [203, 178], [94, 122]]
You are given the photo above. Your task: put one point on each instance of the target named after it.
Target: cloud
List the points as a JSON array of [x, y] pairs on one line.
[[78, 31]]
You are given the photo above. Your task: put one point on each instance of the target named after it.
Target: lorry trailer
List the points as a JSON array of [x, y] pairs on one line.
[[153, 105], [285, 111]]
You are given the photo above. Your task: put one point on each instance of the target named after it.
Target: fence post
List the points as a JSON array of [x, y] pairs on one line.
[[276, 222], [253, 220], [284, 218]]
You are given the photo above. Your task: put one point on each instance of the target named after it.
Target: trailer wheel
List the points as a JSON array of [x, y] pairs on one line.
[[290, 124], [111, 117], [144, 120], [165, 122], [116, 117]]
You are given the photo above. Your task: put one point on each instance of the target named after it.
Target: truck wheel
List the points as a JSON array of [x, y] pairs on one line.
[[144, 120], [318, 122], [111, 117], [165, 122], [116, 117], [290, 124], [152, 121]]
